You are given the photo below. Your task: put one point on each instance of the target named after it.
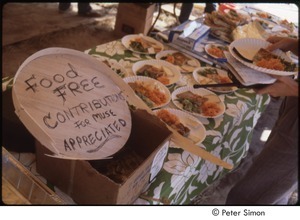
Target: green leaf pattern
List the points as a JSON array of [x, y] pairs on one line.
[[185, 175], [7, 83]]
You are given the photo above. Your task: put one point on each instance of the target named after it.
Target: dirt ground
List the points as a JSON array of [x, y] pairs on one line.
[[30, 27]]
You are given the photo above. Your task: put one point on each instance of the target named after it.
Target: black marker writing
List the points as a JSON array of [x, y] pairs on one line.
[[103, 143], [73, 143], [31, 86], [70, 83], [72, 73], [80, 124], [53, 119], [103, 115]]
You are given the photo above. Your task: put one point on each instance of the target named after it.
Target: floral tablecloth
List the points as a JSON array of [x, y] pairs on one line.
[[185, 175]]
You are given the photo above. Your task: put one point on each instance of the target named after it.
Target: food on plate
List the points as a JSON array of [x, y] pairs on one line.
[[144, 46], [264, 58], [236, 17], [219, 28], [211, 76], [185, 63], [198, 104], [288, 25], [152, 96], [191, 102], [210, 109], [217, 50], [266, 24], [222, 24], [115, 69], [159, 73], [176, 58], [216, 22], [173, 121], [264, 15]]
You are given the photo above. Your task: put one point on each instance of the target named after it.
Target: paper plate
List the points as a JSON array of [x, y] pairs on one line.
[[188, 67], [151, 84], [203, 80], [219, 58], [126, 40], [172, 72], [212, 97], [114, 65], [197, 130], [249, 47]]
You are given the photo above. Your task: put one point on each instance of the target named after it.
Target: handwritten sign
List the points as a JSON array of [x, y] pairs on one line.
[[71, 107]]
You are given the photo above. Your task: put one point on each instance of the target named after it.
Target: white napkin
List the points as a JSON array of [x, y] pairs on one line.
[[189, 28]]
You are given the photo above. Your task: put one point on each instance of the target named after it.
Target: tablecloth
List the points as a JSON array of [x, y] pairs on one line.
[[185, 175]]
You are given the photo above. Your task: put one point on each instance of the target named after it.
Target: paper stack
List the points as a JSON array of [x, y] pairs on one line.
[[246, 75]]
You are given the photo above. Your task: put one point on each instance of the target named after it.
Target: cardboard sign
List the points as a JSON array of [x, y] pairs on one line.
[[70, 105]]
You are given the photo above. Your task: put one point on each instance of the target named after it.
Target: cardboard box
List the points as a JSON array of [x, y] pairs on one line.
[[80, 179], [134, 18]]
